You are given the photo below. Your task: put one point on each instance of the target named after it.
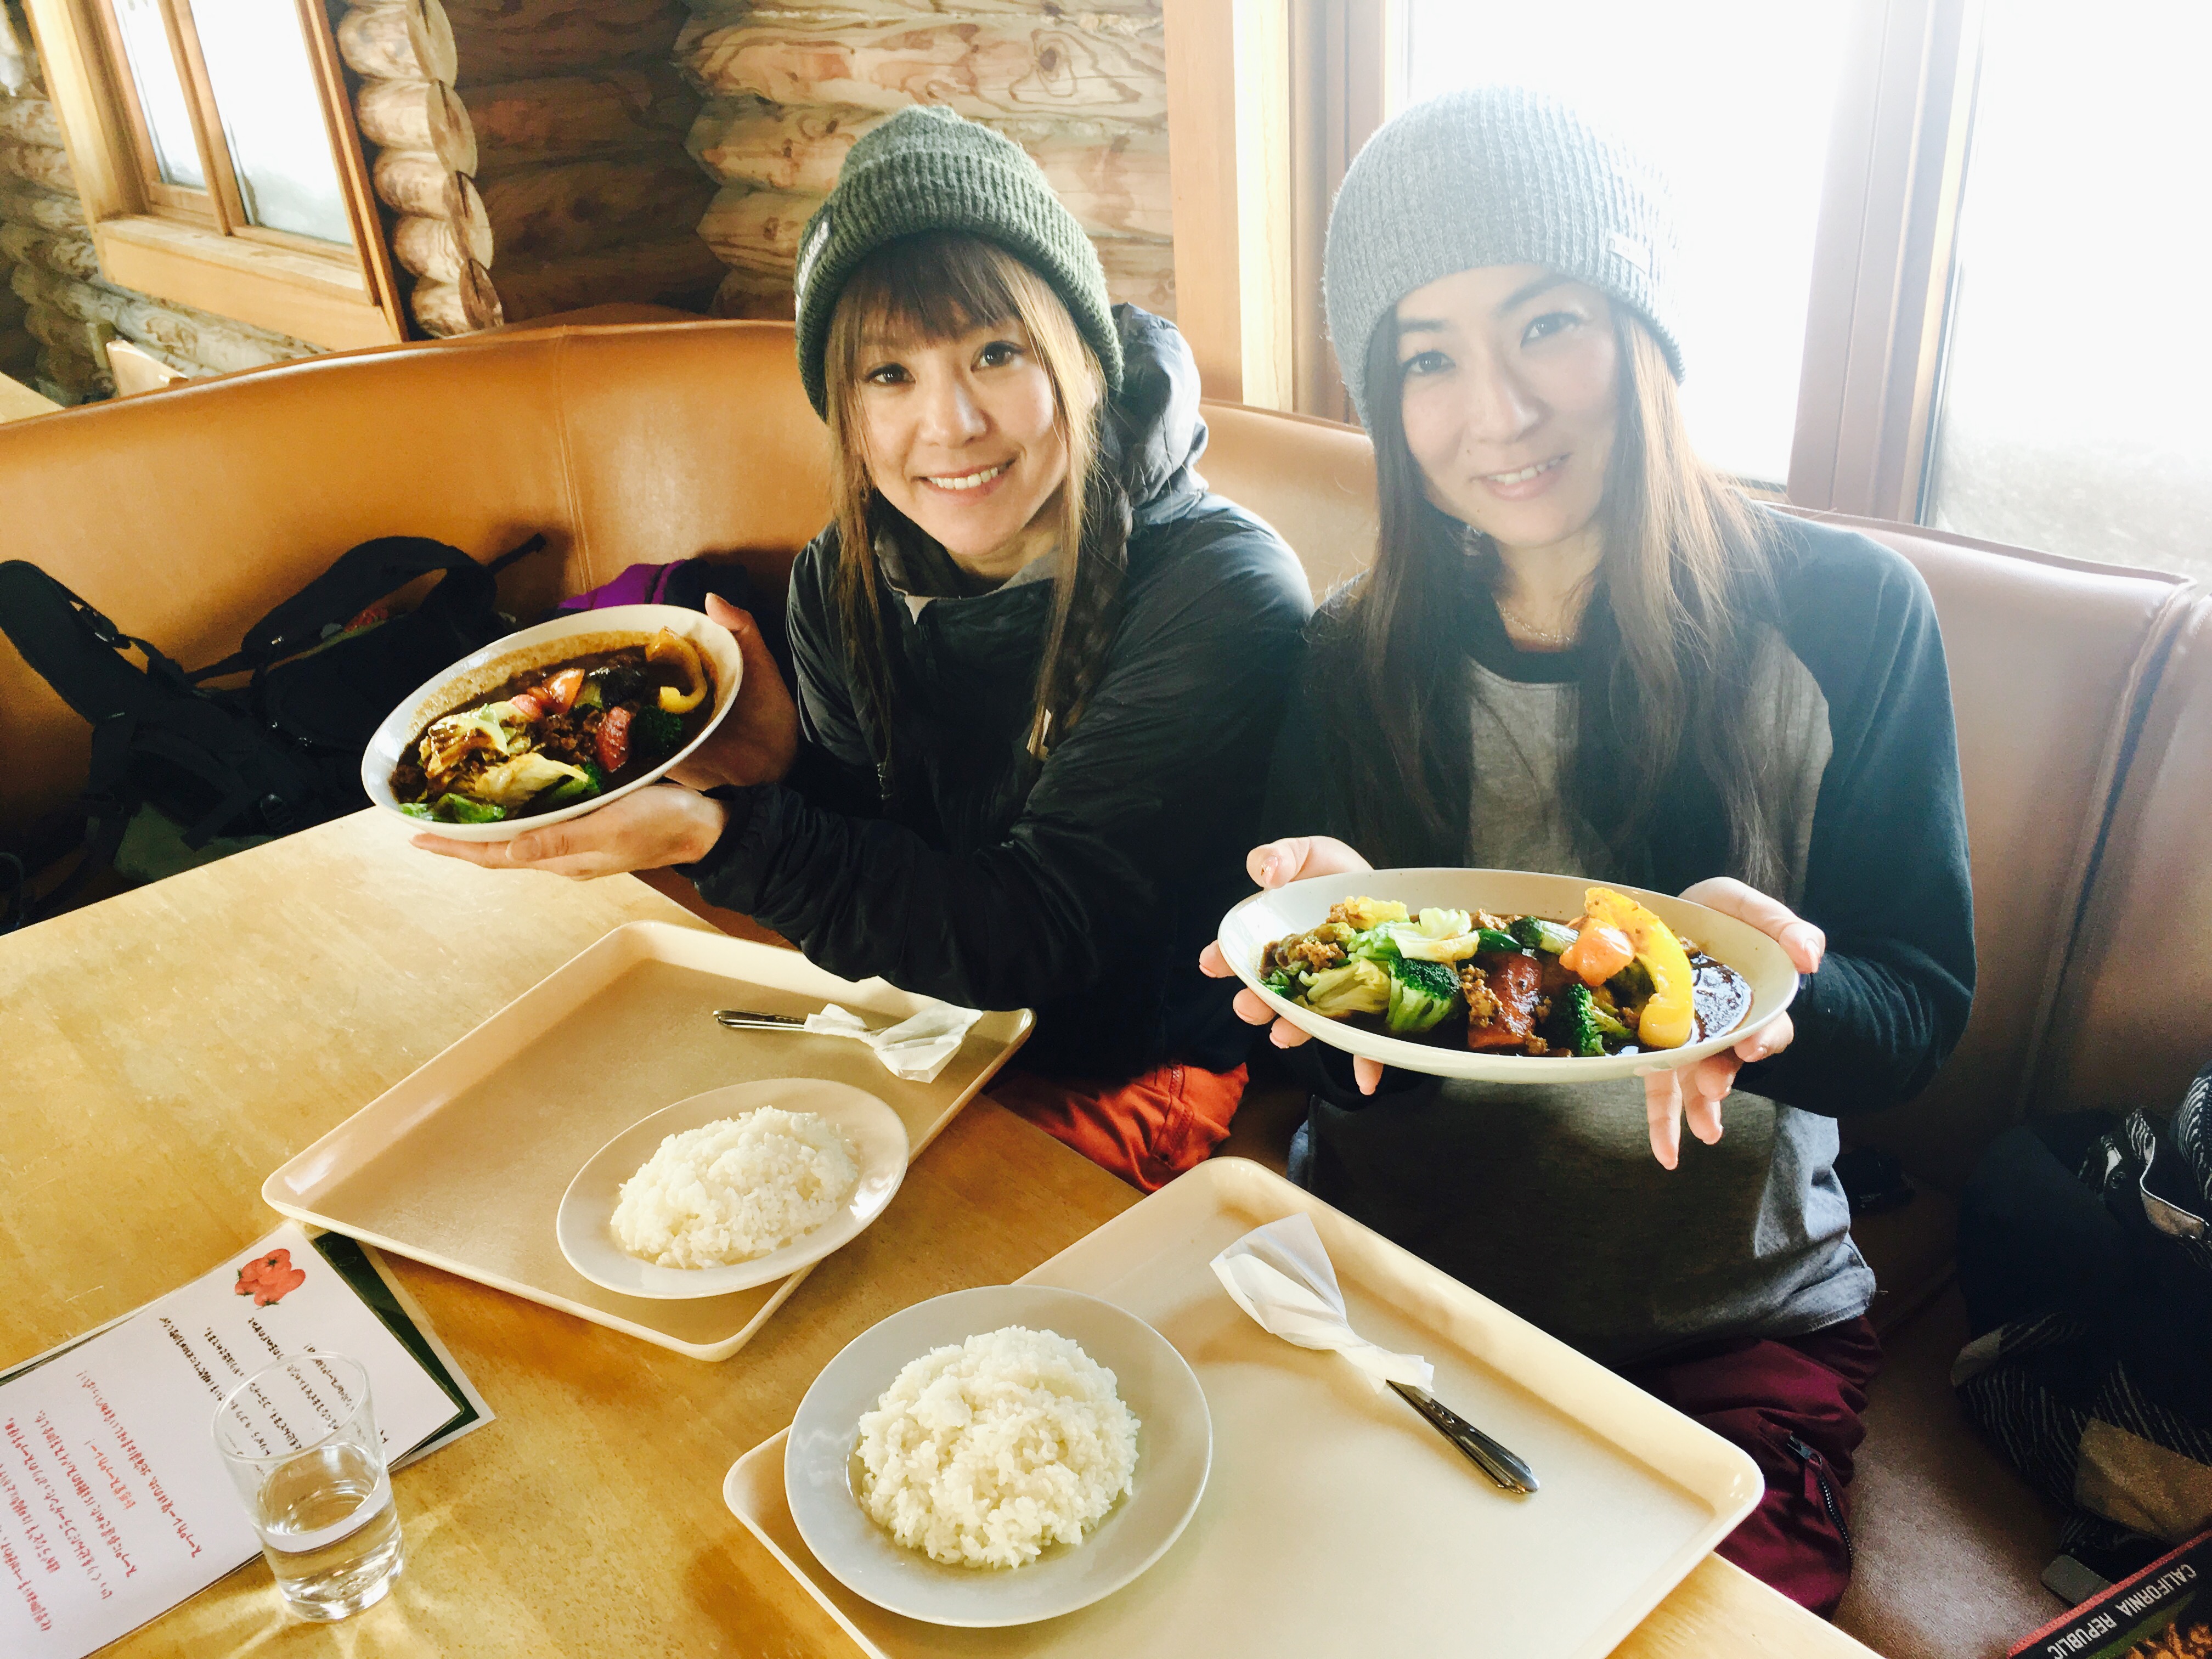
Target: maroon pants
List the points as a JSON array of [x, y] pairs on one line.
[[1794, 1404]]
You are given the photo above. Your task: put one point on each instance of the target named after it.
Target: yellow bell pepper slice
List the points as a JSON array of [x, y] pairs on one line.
[[1669, 1018], [669, 646]]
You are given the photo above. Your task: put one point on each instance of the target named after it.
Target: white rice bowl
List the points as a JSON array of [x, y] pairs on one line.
[[985, 1454], [735, 1189]]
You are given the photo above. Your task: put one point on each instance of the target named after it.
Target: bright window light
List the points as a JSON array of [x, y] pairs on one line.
[[1732, 100], [2074, 417]]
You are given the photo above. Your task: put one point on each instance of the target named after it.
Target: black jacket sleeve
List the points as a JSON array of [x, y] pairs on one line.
[[1886, 876], [1172, 746]]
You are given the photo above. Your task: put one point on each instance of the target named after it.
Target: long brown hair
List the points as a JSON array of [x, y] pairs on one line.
[[1671, 640], [938, 286]]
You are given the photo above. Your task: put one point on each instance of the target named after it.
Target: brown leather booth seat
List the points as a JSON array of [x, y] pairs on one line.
[[2083, 696], [186, 516]]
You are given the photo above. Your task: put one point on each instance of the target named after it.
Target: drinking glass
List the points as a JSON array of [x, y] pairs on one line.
[[299, 1440]]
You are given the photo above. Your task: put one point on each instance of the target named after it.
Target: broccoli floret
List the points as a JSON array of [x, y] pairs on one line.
[[1358, 988], [1587, 1027], [1538, 934], [1282, 984], [655, 731], [1421, 994]]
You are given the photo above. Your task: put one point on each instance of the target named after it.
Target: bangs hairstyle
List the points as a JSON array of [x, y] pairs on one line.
[[1671, 657], [937, 287]]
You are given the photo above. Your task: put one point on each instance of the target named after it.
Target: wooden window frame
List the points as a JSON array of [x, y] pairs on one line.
[[1867, 395], [195, 248]]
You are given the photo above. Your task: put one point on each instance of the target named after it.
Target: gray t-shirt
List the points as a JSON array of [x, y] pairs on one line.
[[1573, 1222]]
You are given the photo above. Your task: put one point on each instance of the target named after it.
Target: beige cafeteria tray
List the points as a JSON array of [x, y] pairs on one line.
[[462, 1164], [1335, 1520]]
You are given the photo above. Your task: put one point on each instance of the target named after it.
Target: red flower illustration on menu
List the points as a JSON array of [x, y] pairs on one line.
[[268, 1279]]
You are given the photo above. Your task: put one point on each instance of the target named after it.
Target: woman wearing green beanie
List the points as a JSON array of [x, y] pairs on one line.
[[1039, 665], [1580, 650]]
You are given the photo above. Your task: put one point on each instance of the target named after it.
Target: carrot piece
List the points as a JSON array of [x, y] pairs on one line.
[[1600, 952]]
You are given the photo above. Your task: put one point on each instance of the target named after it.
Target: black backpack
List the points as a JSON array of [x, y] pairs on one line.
[[2085, 1252], [277, 754]]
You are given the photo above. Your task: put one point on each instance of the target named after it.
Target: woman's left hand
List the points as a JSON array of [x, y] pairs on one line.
[[1695, 1092], [665, 824]]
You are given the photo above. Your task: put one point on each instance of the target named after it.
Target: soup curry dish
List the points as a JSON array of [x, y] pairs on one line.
[[1615, 981], [559, 734]]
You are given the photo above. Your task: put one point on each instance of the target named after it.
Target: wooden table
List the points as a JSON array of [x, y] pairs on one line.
[[162, 1051]]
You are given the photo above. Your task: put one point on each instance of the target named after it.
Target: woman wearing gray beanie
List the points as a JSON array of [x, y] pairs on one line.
[[1580, 650], [1038, 664]]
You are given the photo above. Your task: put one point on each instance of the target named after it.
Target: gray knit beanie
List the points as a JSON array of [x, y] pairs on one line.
[[926, 169], [1492, 176]]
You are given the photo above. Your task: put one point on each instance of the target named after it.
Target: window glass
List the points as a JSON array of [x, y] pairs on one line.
[[2074, 415], [1733, 100], [160, 93], [272, 116]]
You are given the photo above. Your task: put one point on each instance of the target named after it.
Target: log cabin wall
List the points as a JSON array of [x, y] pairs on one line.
[[1081, 84], [57, 310], [531, 153]]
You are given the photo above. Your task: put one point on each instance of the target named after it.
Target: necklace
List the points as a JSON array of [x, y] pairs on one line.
[[1521, 624]]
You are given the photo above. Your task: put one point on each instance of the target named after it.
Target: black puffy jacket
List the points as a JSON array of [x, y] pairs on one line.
[[1088, 895]]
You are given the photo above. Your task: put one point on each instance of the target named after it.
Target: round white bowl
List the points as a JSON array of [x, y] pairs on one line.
[[1174, 1452], [481, 672], [1265, 917], [585, 1222]]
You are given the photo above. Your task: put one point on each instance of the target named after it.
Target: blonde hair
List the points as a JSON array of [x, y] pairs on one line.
[[938, 286]]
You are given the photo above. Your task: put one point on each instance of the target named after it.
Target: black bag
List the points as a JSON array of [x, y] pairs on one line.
[[2086, 1259], [277, 754]]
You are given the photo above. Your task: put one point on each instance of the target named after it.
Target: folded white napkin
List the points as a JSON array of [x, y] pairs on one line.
[[916, 1048], [1281, 1275]]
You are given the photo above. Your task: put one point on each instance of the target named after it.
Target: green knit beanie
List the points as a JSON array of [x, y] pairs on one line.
[[926, 169], [1492, 176]]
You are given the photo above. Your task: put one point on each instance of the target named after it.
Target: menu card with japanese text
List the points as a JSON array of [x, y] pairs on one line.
[[114, 1505]]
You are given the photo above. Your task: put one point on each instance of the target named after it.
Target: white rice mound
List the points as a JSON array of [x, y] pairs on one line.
[[735, 1189], [983, 1454]]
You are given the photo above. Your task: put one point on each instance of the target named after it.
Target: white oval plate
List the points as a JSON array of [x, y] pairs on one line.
[[1265, 917], [1175, 1450], [481, 672], [584, 1224]]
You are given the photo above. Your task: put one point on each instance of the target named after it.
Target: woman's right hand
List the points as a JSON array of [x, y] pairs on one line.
[[1272, 865], [758, 740]]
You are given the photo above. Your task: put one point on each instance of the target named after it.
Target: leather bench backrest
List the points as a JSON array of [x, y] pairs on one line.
[[185, 517], [2047, 657], [2134, 1019], [1312, 480]]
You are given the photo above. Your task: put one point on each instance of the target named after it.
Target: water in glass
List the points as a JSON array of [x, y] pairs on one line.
[[299, 1440], [330, 1532]]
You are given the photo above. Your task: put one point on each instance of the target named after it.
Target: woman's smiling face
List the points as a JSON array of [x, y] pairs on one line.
[[962, 436], [1508, 387]]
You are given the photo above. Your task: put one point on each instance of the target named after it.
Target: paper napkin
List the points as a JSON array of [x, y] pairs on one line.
[[1281, 1275], [915, 1048]]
